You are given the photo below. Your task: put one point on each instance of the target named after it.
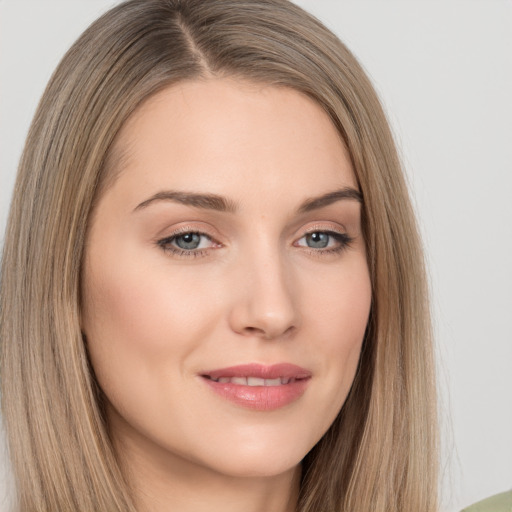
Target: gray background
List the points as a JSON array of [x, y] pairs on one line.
[[444, 72]]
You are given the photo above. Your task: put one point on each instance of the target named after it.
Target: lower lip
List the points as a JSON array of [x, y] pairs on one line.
[[260, 398]]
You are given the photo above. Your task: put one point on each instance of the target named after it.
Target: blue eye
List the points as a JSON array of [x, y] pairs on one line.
[[189, 243], [325, 241], [317, 240]]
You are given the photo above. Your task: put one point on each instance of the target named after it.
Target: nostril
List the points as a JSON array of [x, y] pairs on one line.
[[255, 331], [268, 333]]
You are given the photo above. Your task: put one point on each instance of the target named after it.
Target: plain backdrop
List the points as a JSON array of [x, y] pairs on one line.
[[444, 72]]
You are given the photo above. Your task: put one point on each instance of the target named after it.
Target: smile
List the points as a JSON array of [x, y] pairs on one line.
[[255, 381], [259, 387]]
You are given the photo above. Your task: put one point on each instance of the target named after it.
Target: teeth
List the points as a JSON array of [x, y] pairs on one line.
[[255, 381]]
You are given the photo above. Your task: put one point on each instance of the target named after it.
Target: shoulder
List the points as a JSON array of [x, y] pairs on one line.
[[498, 503]]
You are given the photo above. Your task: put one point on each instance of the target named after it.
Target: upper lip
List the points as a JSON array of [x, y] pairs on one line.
[[262, 371]]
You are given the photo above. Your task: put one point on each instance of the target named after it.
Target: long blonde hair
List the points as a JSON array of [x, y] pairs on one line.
[[381, 452]]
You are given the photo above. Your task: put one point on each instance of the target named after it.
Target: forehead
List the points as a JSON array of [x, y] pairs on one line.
[[227, 136]]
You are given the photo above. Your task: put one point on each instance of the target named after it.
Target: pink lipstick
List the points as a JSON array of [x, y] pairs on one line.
[[259, 387]]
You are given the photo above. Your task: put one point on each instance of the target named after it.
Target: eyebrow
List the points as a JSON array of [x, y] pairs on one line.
[[222, 204], [315, 203], [206, 201]]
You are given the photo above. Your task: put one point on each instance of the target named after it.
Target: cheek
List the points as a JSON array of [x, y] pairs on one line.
[[142, 323], [341, 316], [126, 291], [340, 308], [135, 316]]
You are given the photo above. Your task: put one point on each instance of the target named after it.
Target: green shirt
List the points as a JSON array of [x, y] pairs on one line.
[[499, 503]]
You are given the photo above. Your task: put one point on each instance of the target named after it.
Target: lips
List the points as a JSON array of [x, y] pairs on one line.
[[254, 381], [282, 371], [259, 387]]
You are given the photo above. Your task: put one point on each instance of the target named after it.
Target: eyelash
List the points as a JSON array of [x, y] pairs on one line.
[[344, 242], [343, 239], [165, 244]]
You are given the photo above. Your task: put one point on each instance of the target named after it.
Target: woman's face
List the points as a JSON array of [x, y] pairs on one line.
[[225, 288]]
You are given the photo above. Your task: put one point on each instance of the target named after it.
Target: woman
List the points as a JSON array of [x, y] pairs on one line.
[[213, 292]]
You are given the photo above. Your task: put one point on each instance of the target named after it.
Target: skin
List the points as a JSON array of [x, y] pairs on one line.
[[253, 291]]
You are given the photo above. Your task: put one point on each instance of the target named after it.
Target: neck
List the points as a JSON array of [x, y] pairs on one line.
[[216, 494]]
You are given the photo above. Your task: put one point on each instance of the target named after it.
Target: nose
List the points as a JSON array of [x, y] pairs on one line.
[[265, 305]]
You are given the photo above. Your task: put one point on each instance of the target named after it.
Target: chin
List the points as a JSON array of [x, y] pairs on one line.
[[257, 467], [259, 459]]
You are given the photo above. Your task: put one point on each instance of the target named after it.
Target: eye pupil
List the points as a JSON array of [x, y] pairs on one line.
[[188, 241], [317, 240]]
